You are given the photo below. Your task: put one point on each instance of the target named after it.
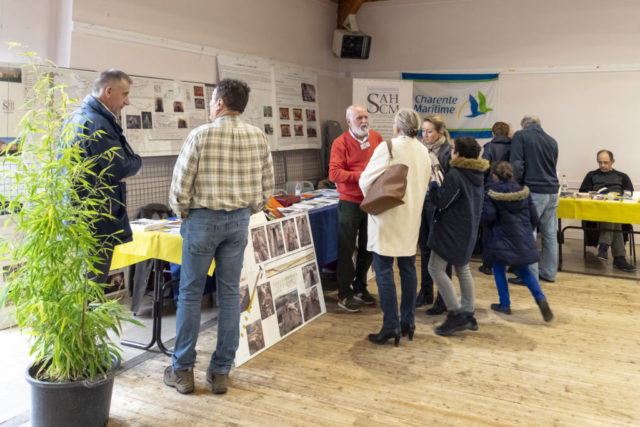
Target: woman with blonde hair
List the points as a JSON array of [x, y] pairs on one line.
[[435, 137], [394, 233]]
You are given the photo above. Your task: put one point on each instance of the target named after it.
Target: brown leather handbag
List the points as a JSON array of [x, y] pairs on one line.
[[388, 190]]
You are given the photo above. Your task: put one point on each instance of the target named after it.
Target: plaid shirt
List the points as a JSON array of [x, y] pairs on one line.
[[225, 165]]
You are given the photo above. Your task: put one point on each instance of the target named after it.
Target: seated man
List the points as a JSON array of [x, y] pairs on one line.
[[614, 182]]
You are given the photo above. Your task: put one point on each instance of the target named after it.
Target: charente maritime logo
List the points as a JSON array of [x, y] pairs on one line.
[[478, 107], [449, 104]]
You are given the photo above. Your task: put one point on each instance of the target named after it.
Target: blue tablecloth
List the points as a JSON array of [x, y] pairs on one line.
[[324, 228]]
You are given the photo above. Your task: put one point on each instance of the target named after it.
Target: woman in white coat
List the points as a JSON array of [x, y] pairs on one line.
[[394, 233]]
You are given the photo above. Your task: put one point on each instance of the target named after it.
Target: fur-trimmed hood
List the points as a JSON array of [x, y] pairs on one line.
[[509, 197], [480, 165]]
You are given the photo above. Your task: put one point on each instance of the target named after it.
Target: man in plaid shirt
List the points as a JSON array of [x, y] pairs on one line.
[[223, 175]]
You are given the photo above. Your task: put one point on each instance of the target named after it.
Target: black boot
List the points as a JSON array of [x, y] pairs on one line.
[[385, 335], [425, 297], [439, 307], [407, 329], [454, 323], [547, 315]]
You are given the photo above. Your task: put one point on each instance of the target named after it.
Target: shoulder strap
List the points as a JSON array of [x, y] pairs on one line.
[[390, 150]]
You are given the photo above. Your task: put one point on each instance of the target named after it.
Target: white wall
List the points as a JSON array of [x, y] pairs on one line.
[[25, 22]]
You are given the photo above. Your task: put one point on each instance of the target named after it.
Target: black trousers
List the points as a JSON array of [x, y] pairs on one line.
[[426, 281], [352, 228]]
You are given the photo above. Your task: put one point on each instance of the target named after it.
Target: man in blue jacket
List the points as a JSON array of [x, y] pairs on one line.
[[534, 156], [98, 113]]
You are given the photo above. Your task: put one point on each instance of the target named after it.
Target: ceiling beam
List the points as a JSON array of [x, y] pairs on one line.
[[346, 8]]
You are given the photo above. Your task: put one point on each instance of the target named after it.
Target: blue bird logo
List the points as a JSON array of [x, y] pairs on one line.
[[478, 109]]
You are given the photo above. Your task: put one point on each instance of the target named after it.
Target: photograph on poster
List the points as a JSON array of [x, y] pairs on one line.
[[255, 337], [199, 103], [310, 275], [267, 111], [178, 107], [298, 130], [311, 115], [290, 235], [265, 299], [115, 282], [311, 132], [259, 239], [297, 114], [268, 129], [182, 123], [147, 121], [133, 122], [285, 264], [276, 241], [303, 230], [310, 304], [198, 91], [284, 114], [288, 309], [308, 92], [245, 298], [285, 130], [12, 143], [159, 105], [11, 75]]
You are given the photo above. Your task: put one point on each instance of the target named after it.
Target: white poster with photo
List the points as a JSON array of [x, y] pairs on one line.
[[280, 289], [383, 99], [297, 104], [259, 76]]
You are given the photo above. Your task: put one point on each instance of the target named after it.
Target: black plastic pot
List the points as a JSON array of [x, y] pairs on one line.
[[80, 403]]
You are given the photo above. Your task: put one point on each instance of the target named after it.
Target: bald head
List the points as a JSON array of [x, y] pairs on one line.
[[358, 120]]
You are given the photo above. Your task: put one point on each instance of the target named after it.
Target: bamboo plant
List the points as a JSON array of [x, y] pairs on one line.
[[54, 247]]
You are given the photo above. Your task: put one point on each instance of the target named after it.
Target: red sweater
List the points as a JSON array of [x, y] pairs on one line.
[[348, 161]]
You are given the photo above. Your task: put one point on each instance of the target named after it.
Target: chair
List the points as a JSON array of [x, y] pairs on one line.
[[279, 192], [306, 186]]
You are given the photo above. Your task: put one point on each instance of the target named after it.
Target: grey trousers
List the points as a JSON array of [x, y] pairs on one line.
[[437, 267], [614, 240]]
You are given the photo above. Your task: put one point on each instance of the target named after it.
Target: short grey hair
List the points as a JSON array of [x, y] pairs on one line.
[[530, 120], [107, 78], [352, 110], [408, 122]]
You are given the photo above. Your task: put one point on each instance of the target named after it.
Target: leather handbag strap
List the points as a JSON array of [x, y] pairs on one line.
[[390, 150]]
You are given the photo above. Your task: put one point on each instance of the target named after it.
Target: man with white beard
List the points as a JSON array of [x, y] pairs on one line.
[[350, 155]]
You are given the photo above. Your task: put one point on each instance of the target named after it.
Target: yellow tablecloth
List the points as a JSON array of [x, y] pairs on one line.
[[599, 210], [147, 245]]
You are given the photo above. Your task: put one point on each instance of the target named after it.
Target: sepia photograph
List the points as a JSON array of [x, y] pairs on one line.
[[276, 240], [255, 337], [310, 304], [267, 111], [245, 298], [308, 92], [284, 114], [285, 130], [182, 123], [265, 300], [178, 107], [147, 121], [11, 75], [311, 132], [133, 122], [310, 275], [288, 309], [198, 91], [303, 230], [259, 240], [297, 114], [311, 115], [159, 105], [290, 235], [199, 103], [268, 129], [299, 130]]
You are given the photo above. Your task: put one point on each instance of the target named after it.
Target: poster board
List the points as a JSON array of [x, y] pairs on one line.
[[280, 289]]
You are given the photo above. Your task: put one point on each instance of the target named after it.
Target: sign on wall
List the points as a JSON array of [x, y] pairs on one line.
[[468, 103], [383, 99]]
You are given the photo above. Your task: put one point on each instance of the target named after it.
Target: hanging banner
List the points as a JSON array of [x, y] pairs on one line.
[[468, 103], [383, 99]]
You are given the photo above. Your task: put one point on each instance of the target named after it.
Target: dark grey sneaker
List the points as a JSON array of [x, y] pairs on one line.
[[218, 383], [350, 304], [454, 323], [180, 380], [603, 252], [472, 320], [547, 315], [365, 297], [621, 264]]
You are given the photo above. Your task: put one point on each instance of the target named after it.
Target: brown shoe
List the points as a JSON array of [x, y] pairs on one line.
[[180, 380], [219, 383]]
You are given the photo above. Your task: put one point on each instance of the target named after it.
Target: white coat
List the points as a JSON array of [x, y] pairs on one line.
[[395, 232]]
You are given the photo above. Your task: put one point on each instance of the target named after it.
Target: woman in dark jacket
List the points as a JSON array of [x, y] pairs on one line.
[[511, 215]]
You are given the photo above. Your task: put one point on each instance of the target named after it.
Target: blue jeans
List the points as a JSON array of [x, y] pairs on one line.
[[209, 235], [547, 207], [383, 266], [500, 274]]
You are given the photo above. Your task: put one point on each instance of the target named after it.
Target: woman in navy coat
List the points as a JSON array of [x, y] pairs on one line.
[[511, 215]]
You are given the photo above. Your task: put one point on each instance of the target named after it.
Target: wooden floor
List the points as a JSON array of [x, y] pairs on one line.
[[583, 369]]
